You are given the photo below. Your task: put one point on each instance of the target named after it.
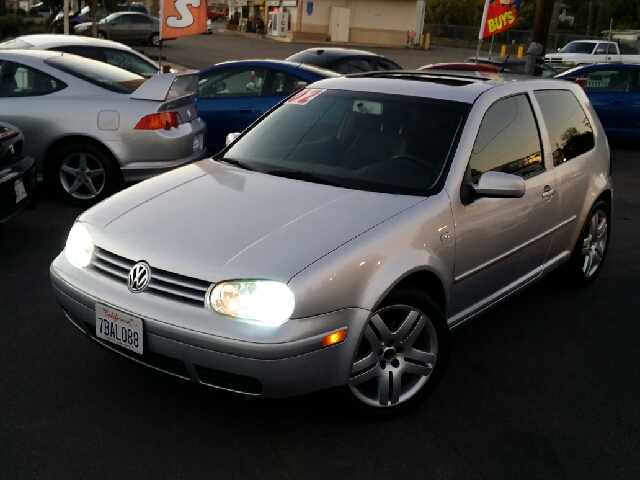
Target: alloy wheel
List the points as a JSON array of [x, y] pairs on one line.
[[396, 356], [594, 243], [82, 176]]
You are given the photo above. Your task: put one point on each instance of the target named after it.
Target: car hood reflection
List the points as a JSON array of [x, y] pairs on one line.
[[232, 223]]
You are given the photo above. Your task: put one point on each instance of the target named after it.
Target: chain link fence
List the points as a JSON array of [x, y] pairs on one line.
[[458, 36]]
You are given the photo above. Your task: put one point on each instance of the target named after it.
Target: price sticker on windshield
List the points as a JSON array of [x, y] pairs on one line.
[[305, 96]]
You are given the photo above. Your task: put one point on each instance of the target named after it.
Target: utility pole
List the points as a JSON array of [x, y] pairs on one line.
[[538, 47]]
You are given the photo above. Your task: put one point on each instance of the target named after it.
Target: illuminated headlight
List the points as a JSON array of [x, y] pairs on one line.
[[79, 247], [264, 302]]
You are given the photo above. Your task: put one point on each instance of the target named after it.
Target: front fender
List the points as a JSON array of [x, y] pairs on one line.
[[360, 273]]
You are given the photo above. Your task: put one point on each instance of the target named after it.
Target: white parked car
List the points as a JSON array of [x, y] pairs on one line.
[[99, 49], [582, 52], [90, 125]]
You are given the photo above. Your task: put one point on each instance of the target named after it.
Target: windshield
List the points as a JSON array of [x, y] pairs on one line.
[[109, 18], [101, 74], [358, 140], [578, 47]]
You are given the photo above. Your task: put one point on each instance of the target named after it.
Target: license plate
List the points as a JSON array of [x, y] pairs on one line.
[[118, 327], [196, 144], [21, 193]]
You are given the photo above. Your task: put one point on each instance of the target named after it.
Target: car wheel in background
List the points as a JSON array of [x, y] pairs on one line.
[[592, 245], [402, 354], [84, 173], [155, 39], [101, 34]]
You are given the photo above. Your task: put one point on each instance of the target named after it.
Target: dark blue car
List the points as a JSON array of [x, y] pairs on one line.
[[614, 92], [232, 95]]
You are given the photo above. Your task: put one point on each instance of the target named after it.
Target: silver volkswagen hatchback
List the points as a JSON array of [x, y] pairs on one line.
[[340, 239]]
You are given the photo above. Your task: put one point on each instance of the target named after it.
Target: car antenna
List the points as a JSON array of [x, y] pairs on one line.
[[507, 59]]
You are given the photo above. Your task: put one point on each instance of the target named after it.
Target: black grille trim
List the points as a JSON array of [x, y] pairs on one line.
[[164, 284], [229, 381]]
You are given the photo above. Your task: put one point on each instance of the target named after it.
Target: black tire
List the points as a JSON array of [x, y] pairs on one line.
[[591, 248], [154, 39], [102, 34], [414, 346], [84, 173]]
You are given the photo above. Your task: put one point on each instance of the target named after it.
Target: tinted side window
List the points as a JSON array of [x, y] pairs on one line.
[[140, 20], [570, 132], [88, 52], [341, 67], [508, 140], [609, 80], [23, 81], [285, 83], [232, 82], [359, 65], [129, 61], [387, 65]]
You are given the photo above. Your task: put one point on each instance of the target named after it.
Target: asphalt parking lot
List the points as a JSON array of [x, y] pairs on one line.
[[544, 386]]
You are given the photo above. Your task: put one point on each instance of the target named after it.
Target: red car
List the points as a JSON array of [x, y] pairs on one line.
[[214, 15]]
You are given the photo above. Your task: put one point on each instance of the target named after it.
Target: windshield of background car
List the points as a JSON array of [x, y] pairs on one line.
[[358, 140], [101, 74], [109, 18], [578, 47]]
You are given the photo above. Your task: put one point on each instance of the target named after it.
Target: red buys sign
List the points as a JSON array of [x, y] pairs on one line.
[[498, 16]]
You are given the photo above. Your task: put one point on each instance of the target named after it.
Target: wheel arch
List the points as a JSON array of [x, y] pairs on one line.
[[428, 283], [62, 142]]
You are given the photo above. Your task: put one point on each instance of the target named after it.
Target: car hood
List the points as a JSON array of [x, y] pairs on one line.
[[214, 222]]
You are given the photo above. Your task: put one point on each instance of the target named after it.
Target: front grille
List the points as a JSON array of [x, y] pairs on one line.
[[155, 360], [164, 284], [229, 381]]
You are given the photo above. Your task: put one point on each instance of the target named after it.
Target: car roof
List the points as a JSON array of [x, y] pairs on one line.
[[32, 54], [49, 40], [593, 66], [327, 55], [457, 86], [283, 63]]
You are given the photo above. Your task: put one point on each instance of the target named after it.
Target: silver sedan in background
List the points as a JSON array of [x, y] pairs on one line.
[[340, 238], [90, 126]]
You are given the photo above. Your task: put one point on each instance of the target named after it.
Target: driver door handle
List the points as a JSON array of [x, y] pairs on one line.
[[247, 110], [548, 192]]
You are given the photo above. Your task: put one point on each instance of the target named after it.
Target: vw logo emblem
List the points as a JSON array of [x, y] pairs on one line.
[[139, 277]]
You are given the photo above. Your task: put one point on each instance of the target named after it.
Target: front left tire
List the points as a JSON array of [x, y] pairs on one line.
[[402, 354]]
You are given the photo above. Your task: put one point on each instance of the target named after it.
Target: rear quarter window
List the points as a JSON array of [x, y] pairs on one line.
[[570, 132]]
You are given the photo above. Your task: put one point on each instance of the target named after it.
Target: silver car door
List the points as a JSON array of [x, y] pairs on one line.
[[502, 243], [572, 143]]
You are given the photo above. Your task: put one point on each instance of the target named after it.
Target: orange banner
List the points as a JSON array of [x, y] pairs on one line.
[[180, 18]]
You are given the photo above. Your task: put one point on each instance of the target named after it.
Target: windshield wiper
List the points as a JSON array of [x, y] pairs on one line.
[[236, 163], [305, 176]]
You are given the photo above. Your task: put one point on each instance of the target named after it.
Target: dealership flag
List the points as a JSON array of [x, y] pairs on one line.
[[180, 18], [498, 16]]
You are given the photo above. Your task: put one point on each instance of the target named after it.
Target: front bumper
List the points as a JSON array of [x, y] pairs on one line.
[[22, 171], [275, 362]]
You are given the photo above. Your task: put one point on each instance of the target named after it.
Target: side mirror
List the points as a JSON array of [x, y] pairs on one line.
[[600, 51], [231, 138], [500, 185], [560, 49]]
